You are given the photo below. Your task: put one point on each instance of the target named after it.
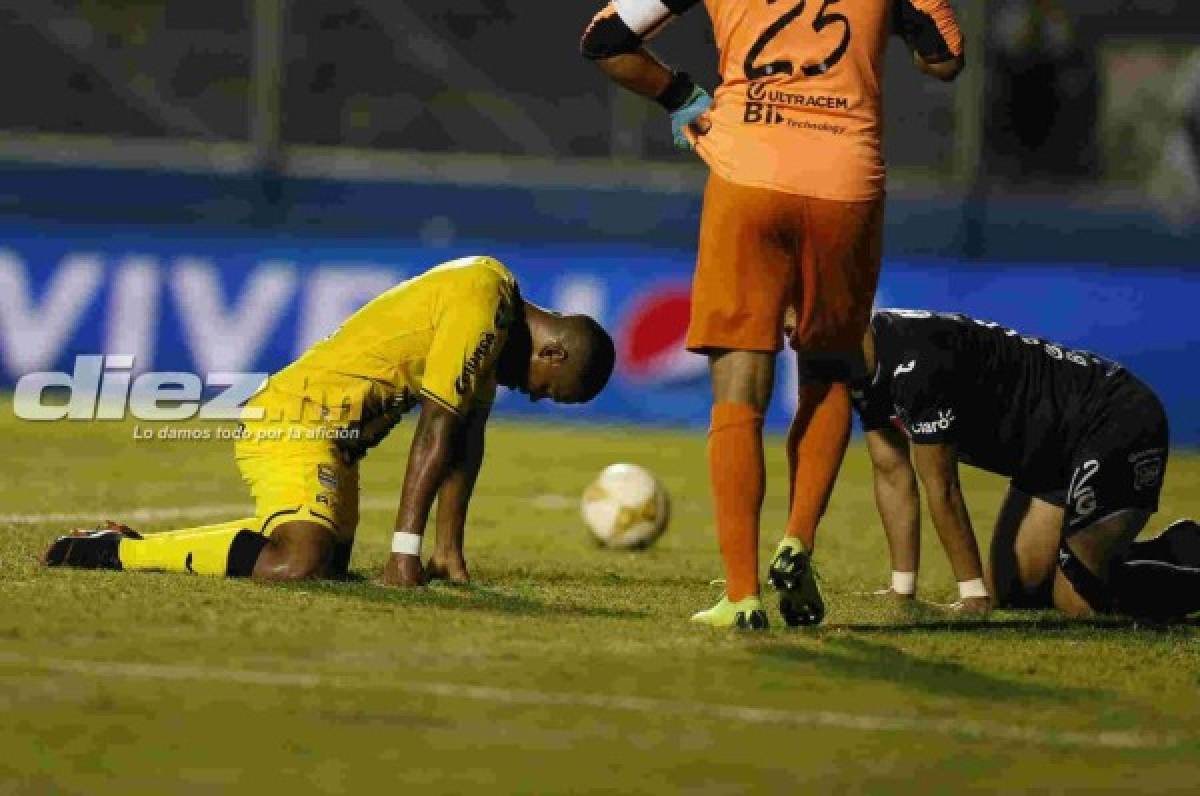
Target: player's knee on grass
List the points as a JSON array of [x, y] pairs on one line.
[[1087, 560], [296, 551], [339, 561], [1079, 593]]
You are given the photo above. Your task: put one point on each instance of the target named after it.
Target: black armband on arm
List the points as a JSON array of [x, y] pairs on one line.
[[677, 93], [608, 36], [920, 32]]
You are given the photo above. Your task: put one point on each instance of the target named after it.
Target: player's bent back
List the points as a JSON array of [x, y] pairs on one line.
[[444, 340]]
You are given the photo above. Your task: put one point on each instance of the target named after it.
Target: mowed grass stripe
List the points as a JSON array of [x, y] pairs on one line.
[[742, 714], [158, 514]]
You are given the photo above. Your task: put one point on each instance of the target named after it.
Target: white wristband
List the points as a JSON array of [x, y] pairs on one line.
[[408, 544], [968, 589], [904, 583]]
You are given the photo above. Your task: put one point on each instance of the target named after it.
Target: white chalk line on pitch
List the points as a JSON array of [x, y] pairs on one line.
[[742, 714], [235, 510]]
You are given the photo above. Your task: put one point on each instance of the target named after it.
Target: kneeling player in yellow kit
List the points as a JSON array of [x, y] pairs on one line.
[[444, 339]]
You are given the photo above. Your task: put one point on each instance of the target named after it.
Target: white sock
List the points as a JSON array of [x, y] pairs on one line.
[[968, 589], [904, 583]]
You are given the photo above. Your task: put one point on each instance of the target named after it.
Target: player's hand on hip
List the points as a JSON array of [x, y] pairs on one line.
[[404, 571], [692, 120]]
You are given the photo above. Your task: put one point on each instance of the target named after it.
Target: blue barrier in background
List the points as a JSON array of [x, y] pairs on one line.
[[181, 300], [935, 224]]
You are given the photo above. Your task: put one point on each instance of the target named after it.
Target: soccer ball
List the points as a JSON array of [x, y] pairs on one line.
[[626, 507]]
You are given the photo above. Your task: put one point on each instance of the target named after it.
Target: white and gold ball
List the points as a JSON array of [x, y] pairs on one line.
[[626, 507]]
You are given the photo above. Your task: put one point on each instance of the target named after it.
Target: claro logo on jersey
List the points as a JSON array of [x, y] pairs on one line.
[[474, 362], [943, 423], [765, 105]]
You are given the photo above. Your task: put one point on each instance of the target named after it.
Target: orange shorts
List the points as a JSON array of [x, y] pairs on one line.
[[764, 251]]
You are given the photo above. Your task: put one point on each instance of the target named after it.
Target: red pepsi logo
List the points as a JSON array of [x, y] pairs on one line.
[[653, 340]]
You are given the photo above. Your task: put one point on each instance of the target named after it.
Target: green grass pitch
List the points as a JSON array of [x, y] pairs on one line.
[[564, 668]]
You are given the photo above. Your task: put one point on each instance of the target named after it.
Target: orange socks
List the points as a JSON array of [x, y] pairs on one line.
[[816, 446], [738, 476]]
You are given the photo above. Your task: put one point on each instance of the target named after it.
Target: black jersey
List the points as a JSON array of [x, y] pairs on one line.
[[1011, 403]]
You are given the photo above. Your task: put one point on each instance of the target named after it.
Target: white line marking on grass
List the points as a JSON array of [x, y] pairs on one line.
[[742, 714], [130, 515], [231, 510], [552, 502]]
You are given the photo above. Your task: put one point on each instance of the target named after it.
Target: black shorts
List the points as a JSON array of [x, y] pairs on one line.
[[1118, 463]]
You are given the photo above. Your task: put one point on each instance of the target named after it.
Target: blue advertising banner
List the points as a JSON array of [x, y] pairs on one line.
[[182, 301]]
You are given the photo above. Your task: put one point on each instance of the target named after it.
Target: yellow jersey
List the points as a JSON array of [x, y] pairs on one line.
[[435, 337]]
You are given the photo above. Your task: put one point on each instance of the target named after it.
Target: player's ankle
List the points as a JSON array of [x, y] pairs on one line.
[[447, 557], [797, 540], [904, 584]]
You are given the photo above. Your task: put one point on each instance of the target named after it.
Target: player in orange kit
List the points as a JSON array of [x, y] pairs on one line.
[[793, 217]]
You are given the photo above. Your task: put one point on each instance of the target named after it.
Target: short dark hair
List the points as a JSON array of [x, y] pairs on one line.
[[597, 353]]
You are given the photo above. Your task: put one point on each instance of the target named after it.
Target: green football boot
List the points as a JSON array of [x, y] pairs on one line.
[[795, 578], [746, 614]]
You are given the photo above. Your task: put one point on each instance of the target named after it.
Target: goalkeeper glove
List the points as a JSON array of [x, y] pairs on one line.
[[686, 103]]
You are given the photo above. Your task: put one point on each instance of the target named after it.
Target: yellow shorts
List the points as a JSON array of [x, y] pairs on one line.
[[296, 472]]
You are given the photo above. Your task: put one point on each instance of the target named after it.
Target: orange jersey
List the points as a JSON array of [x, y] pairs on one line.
[[800, 104]]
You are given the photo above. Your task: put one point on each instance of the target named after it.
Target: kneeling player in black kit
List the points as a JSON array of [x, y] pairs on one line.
[[1084, 442]]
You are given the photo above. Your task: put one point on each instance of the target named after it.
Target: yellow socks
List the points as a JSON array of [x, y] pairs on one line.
[[230, 548]]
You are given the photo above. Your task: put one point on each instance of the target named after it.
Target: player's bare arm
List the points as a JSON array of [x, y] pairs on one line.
[[429, 460], [1084, 480], [615, 42], [448, 561], [450, 336], [639, 71], [937, 468], [545, 355], [296, 551], [898, 500]]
